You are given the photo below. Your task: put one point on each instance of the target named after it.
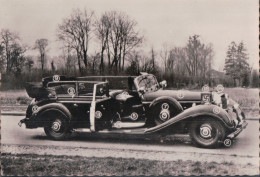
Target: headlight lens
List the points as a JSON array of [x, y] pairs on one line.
[[216, 98], [220, 88]]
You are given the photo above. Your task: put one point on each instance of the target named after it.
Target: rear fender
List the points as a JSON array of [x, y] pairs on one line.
[[211, 111], [49, 109]]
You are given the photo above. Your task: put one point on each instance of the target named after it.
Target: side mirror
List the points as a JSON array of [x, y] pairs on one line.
[[163, 84]]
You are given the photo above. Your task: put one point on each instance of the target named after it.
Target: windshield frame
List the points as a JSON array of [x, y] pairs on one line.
[[136, 80]]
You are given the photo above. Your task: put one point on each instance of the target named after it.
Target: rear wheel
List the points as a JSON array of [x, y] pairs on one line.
[[207, 132], [57, 128]]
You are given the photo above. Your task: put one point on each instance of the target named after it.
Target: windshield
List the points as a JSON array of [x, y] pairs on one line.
[[147, 82]]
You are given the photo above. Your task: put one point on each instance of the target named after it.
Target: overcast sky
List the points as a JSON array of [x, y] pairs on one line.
[[161, 21]]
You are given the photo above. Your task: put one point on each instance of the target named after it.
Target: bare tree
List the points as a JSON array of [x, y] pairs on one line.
[[153, 58], [176, 61], [41, 46], [70, 59], [29, 63], [75, 33], [118, 36], [199, 57], [103, 27], [94, 62], [164, 54], [53, 68], [2, 59], [129, 40], [12, 52]]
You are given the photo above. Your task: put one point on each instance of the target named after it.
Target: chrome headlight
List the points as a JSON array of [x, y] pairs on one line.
[[216, 98], [220, 88]]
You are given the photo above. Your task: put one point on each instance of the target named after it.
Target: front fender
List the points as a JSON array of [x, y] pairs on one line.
[[197, 111]]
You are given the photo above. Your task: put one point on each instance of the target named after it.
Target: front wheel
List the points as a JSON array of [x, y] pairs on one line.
[[57, 129], [207, 132]]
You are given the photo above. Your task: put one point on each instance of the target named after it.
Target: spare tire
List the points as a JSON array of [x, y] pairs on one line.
[[36, 90], [163, 109]]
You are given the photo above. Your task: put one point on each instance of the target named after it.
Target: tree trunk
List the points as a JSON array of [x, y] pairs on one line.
[[85, 59], [42, 60], [109, 60], [79, 64], [124, 53], [101, 68], [120, 55]]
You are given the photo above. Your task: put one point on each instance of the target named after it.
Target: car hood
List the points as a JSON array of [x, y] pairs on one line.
[[180, 95]]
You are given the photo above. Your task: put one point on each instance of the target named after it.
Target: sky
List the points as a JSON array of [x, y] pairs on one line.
[[161, 22]]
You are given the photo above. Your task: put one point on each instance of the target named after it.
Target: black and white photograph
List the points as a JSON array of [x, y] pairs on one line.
[[129, 87]]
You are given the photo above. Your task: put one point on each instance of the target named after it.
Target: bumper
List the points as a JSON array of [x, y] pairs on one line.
[[27, 122], [237, 131]]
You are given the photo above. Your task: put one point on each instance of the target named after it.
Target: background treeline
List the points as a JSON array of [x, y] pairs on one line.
[[117, 43]]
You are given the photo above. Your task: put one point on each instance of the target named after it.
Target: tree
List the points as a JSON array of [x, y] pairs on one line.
[[236, 63], [70, 60], [199, 57], [94, 62], [118, 36], [243, 68], [230, 61], [254, 82], [29, 63], [12, 52], [176, 61], [75, 33], [164, 54], [53, 68], [2, 59], [103, 27], [41, 46], [134, 67]]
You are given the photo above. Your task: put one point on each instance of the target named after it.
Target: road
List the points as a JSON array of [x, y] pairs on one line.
[[245, 145]]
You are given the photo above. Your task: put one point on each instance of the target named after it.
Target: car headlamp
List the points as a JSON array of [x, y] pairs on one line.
[[220, 88], [205, 88], [216, 98]]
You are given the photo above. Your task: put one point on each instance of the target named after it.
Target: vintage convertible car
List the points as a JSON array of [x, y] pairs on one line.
[[132, 105]]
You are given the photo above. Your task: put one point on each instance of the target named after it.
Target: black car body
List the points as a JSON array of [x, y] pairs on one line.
[[134, 105]]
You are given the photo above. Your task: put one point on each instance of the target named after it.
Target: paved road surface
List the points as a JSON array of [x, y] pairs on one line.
[[246, 144]]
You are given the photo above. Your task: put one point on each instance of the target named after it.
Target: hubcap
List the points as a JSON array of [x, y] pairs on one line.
[[56, 126], [205, 130], [164, 115]]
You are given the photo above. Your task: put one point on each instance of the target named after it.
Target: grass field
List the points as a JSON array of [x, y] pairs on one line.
[[248, 98], [47, 165], [15, 97]]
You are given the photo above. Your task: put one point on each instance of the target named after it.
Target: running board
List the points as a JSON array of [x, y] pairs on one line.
[[119, 131], [120, 124]]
